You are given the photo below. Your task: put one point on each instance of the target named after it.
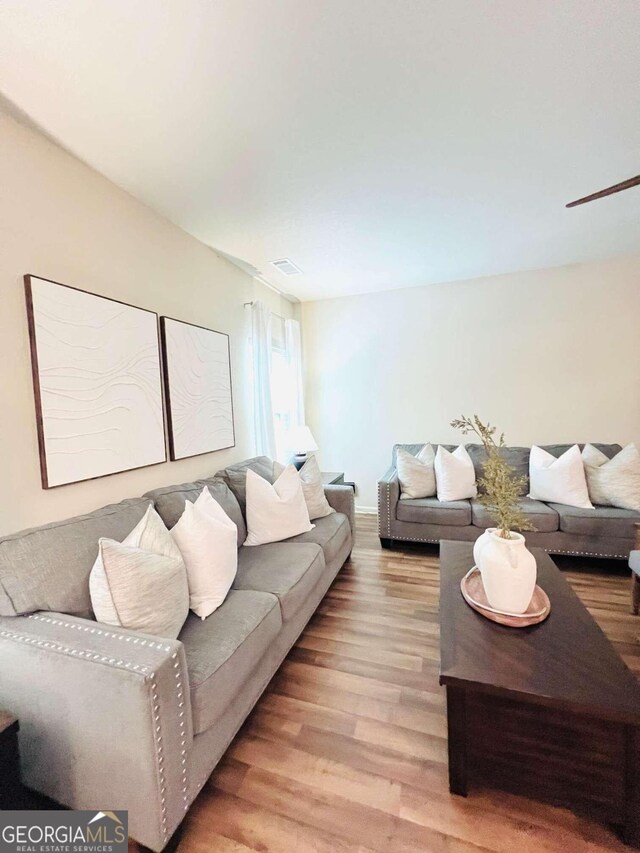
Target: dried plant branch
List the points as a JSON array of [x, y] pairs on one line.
[[500, 487]]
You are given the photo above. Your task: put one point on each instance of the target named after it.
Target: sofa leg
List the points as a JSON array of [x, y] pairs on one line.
[[635, 594], [386, 543]]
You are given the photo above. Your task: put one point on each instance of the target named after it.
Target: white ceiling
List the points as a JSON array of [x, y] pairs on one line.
[[379, 144]]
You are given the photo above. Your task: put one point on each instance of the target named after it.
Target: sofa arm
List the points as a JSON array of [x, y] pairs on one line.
[[341, 499], [105, 717], [388, 497]]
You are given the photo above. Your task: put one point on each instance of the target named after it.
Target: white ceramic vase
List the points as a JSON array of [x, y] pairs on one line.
[[477, 545], [508, 570]]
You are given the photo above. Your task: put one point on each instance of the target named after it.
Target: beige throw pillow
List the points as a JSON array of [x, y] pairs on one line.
[[141, 583], [613, 482], [416, 474], [275, 512], [312, 487]]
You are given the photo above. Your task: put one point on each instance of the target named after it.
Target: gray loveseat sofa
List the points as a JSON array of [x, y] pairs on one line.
[[114, 719], [600, 532]]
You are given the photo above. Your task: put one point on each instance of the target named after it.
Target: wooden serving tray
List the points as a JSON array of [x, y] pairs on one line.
[[473, 593]]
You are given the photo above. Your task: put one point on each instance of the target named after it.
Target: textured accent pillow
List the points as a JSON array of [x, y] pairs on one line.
[[141, 583], [455, 474], [312, 487], [558, 480], [613, 482], [416, 474], [275, 512], [208, 541]]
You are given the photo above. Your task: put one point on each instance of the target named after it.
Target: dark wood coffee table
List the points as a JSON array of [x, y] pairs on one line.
[[549, 712]]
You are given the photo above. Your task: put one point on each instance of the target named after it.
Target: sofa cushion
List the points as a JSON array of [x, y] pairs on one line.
[[433, 511], [169, 502], [223, 650], [516, 457], [330, 533], [605, 521], [288, 571], [236, 477], [48, 568], [543, 518], [609, 450], [634, 561], [414, 449]]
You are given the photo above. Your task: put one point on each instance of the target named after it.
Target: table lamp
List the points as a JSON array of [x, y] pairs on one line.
[[301, 442]]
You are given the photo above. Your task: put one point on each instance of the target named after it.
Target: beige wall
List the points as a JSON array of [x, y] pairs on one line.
[[63, 221], [549, 356]]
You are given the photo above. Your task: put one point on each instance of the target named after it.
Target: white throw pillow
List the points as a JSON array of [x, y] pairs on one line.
[[416, 474], [312, 487], [278, 511], [208, 541], [455, 474], [613, 482], [558, 480], [141, 583]]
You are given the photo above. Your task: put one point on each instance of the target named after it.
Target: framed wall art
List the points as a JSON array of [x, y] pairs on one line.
[[97, 383], [197, 373]]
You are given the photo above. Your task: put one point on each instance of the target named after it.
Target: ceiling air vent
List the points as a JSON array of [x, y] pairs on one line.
[[286, 267]]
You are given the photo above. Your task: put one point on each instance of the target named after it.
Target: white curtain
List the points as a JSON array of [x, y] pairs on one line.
[[293, 345], [265, 439]]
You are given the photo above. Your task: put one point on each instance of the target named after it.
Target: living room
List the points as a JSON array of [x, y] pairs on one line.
[[261, 261]]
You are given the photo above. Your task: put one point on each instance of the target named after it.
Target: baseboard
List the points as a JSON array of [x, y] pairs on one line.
[[367, 510]]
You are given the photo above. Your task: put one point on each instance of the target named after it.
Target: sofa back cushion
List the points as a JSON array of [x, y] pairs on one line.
[[609, 450], [517, 457], [169, 502], [47, 568], [414, 449], [236, 477]]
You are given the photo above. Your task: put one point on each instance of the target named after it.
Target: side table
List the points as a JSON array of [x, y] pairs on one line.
[[336, 478]]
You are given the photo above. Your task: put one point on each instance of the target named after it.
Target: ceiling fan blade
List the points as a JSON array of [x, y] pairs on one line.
[[616, 188]]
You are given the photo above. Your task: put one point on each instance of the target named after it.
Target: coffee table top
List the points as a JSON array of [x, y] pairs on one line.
[[564, 661]]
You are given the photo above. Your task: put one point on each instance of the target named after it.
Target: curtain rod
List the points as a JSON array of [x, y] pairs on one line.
[[279, 316]]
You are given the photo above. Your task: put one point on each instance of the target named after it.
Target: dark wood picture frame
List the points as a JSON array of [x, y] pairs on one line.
[[167, 388], [33, 346]]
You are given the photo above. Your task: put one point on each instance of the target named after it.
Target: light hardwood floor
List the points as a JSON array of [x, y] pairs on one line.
[[347, 750]]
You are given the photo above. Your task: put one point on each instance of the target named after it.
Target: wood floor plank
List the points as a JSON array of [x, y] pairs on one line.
[[359, 650], [405, 741], [355, 823], [366, 686], [301, 766], [263, 829], [461, 818], [346, 750]]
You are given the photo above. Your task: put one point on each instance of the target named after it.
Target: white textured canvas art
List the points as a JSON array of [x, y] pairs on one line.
[[98, 386], [198, 386]]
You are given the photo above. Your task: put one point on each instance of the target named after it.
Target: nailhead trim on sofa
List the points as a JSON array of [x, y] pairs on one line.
[[546, 550], [117, 663], [157, 736], [127, 638], [140, 668], [183, 730]]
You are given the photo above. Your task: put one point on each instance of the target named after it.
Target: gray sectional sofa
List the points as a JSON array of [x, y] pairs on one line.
[[600, 532], [110, 718]]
